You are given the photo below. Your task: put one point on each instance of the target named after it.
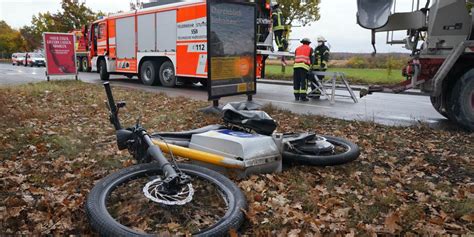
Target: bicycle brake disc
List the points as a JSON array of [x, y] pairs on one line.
[[153, 191]]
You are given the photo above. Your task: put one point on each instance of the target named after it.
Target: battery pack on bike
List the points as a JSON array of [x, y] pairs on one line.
[[244, 146], [255, 152]]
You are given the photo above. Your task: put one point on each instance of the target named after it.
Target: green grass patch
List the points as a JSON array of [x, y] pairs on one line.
[[458, 208], [355, 75]]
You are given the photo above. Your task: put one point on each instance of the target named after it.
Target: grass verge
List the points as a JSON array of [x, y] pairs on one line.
[[355, 75], [56, 142]]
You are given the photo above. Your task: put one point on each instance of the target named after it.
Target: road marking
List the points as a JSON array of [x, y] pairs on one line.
[[411, 118], [293, 103]]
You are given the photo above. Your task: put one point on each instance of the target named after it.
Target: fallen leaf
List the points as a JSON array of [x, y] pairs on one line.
[[379, 170], [294, 233], [391, 222], [468, 217]]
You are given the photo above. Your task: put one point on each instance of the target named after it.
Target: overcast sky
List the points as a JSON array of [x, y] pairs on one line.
[[337, 23]]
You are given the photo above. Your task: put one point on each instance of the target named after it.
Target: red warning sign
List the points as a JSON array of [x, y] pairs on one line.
[[60, 53]]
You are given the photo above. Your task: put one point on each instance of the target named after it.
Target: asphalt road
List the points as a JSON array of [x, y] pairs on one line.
[[383, 108]]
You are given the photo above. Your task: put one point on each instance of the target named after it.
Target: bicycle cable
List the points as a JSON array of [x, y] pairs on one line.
[[153, 190], [169, 149]]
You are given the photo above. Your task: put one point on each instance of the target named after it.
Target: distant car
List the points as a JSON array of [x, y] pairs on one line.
[[18, 59], [35, 59], [14, 56]]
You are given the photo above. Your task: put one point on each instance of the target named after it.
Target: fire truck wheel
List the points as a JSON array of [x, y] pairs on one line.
[[437, 102], [203, 82], [148, 73], [461, 103], [78, 64], [167, 75], [104, 75], [84, 64]]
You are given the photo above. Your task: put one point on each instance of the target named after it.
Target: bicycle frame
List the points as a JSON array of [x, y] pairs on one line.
[[168, 146], [199, 155]]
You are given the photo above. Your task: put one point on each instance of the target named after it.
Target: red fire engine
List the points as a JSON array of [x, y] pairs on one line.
[[162, 45]]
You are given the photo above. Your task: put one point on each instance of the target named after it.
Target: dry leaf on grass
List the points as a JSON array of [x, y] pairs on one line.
[[391, 222]]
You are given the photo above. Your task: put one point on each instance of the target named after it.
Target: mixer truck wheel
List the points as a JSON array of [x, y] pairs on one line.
[[437, 102], [461, 101]]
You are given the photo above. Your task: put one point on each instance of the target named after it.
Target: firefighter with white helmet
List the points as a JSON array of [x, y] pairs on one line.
[[321, 55], [321, 60], [304, 57]]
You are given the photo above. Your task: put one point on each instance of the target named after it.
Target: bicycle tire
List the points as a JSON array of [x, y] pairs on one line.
[[101, 220], [351, 154]]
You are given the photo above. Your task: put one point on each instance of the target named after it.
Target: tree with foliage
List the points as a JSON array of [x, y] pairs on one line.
[[31, 38], [71, 16], [305, 12], [75, 15], [10, 39]]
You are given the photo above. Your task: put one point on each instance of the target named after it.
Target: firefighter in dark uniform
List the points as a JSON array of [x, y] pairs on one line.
[[321, 60], [279, 28], [303, 61]]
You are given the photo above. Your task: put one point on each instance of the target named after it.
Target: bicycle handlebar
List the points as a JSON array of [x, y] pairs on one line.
[[112, 106]]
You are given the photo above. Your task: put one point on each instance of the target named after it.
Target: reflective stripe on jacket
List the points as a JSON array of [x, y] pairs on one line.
[[303, 57], [277, 18], [321, 54]]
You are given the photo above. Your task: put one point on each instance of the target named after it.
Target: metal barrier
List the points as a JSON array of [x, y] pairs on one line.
[[327, 86]]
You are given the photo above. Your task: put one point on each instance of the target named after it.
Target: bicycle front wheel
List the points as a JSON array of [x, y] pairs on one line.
[[116, 206]]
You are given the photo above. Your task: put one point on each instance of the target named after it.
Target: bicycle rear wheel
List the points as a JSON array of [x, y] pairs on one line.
[[116, 206], [343, 152]]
